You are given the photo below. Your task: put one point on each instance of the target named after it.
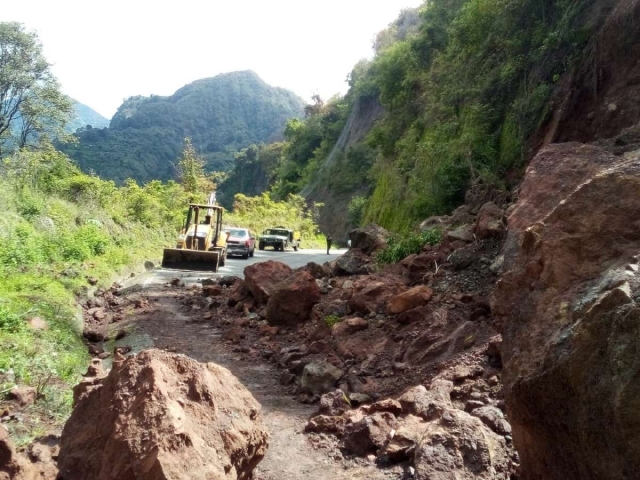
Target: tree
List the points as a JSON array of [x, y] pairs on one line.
[[191, 172], [31, 103]]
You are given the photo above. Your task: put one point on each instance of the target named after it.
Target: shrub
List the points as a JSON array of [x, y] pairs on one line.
[[400, 247], [332, 320], [10, 322]]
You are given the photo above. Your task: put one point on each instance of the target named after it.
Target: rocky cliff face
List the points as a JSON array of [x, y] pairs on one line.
[[334, 216], [567, 306]]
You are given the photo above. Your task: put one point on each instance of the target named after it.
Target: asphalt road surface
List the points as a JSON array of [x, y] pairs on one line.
[[236, 265]]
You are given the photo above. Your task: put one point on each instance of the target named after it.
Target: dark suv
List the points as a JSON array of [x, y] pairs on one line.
[[240, 242], [280, 238]]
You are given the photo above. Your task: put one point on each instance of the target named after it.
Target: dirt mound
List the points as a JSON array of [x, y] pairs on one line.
[[568, 309], [163, 416]]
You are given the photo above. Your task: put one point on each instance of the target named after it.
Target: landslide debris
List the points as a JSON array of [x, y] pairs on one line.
[[159, 415]]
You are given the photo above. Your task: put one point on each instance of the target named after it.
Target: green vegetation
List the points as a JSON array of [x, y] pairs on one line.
[[332, 320], [221, 115], [31, 103], [465, 86], [463, 96], [84, 115], [262, 212], [254, 172], [401, 246], [58, 227]]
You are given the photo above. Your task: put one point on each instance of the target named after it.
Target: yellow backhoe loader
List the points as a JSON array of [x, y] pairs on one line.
[[202, 243]]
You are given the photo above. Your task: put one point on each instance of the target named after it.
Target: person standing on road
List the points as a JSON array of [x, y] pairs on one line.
[[329, 242]]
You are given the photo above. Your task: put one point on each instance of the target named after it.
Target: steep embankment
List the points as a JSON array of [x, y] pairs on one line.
[[221, 114], [339, 178], [468, 97]]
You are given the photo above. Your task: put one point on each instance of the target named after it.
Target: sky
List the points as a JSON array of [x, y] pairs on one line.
[[104, 52]]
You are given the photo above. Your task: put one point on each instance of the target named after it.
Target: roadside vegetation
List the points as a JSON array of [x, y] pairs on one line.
[[262, 212], [61, 231], [464, 84], [400, 247]]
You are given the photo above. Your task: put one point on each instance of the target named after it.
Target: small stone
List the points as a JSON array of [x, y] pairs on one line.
[[23, 395], [92, 280], [287, 378], [38, 324]]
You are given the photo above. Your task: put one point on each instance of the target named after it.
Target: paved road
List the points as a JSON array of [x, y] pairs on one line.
[[236, 265]]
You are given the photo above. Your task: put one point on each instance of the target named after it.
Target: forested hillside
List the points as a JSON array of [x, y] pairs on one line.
[[221, 115], [83, 116], [458, 97]]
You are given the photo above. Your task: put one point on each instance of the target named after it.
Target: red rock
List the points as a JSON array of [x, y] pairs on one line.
[[386, 405], [261, 278], [349, 326], [458, 445], [12, 466], [566, 305], [413, 298], [370, 297], [333, 403], [211, 291], [408, 434], [239, 292], [369, 434], [164, 416], [23, 395], [413, 316], [489, 221], [326, 424], [292, 299]]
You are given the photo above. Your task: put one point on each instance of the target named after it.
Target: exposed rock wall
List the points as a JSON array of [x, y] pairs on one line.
[[567, 307], [334, 216]]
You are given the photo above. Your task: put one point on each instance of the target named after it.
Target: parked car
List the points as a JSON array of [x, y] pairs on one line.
[[241, 241]]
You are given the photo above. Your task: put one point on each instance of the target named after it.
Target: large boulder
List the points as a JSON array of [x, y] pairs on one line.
[[568, 309], [371, 296], [369, 239], [320, 377], [163, 416], [292, 299], [353, 262], [459, 446], [412, 298], [489, 221], [451, 444], [261, 278]]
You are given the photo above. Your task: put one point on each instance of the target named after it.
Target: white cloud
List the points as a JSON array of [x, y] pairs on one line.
[[104, 52]]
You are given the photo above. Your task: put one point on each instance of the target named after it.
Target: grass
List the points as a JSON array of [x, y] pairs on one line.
[[332, 320], [400, 247], [52, 237]]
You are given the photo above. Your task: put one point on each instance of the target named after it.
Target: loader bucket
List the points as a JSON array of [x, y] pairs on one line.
[[185, 259]]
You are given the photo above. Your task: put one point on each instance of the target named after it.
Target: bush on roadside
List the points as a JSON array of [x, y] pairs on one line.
[[400, 247]]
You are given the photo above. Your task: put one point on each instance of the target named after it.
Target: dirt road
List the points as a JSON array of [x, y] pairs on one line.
[[169, 322]]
